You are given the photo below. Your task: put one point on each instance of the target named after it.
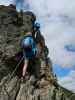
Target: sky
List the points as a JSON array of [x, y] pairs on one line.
[[57, 20]]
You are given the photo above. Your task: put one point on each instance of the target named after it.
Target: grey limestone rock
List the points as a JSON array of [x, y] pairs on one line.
[[13, 25]]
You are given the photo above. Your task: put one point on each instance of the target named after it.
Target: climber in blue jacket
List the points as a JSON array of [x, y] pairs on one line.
[[30, 50]]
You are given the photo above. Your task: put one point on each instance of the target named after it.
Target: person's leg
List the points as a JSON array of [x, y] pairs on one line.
[[26, 61], [37, 68]]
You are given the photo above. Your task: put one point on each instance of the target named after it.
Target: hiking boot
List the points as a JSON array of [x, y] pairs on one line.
[[23, 79], [32, 79]]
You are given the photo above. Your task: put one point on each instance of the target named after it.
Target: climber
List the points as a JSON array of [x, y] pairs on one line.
[[30, 50]]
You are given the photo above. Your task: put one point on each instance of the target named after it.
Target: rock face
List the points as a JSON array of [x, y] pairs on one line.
[[13, 25]]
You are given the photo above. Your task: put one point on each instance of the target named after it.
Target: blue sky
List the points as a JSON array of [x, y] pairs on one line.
[[22, 5], [57, 19], [60, 71], [70, 48]]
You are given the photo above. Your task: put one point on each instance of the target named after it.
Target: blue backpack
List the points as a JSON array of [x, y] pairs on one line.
[[27, 41], [29, 46]]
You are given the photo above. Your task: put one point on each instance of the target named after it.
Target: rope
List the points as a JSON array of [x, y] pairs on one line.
[[10, 77]]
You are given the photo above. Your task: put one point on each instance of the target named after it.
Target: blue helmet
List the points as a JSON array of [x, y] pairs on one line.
[[37, 25]]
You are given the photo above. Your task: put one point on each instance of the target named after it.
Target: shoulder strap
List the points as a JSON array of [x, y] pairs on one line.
[[27, 36]]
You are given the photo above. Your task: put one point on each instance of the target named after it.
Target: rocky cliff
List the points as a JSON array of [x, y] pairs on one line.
[[13, 25]]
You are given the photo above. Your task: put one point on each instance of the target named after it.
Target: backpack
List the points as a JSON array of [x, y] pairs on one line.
[[28, 45], [27, 42]]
